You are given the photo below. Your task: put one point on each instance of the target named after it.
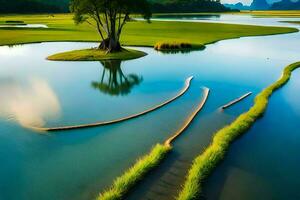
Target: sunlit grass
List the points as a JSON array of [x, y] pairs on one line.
[[124, 183], [96, 54], [204, 164], [139, 33], [177, 46]]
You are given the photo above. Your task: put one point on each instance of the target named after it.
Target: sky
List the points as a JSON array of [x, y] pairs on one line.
[[246, 2]]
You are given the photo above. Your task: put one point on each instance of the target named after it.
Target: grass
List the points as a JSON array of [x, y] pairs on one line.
[[204, 164], [14, 22], [273, 13], [292, 22], [177, 46], [124, 183], [136, 33], [96, 55]]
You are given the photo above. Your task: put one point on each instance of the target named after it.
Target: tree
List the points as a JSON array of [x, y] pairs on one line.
[[108, 17]]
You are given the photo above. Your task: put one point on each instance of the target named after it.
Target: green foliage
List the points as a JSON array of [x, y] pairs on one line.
[[62, 28], [204, 164], [175, 46], [96, 55], [108, 17], [34, 6], [185, 6], [124, 183]]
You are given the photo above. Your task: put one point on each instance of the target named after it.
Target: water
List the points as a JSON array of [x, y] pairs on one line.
[[227, 18], [23, 26], [264, 163], [78, 164]]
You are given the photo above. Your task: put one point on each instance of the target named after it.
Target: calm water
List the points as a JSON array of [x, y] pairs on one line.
[[78, 164], [226, 18], [23, 26]]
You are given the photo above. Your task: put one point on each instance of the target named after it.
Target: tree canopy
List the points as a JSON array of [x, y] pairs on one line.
[[108, 17]]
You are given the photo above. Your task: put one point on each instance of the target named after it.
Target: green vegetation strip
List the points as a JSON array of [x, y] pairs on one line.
[[61, 27], [64, 128], [123, 184], [177, 46], [96, 55], [204, 164], [236, 100]]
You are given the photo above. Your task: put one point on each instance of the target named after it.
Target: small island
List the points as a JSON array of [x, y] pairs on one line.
[[177, 46], [95, 54]]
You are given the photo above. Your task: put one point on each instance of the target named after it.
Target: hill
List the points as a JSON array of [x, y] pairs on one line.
[[259, 5], [238, 6], [286, 5]]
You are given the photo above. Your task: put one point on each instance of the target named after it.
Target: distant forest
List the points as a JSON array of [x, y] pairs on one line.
[[34, 6], [60, 6], [188, 6]]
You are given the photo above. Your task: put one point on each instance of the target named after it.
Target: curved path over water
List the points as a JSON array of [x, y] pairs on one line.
[[65, 128], [236, 100], [189, 119]]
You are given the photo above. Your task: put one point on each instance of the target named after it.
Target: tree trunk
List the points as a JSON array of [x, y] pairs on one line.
[[110, 45]]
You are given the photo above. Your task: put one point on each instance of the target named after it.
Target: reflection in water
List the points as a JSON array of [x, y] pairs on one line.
[[30, 104], [113, 81]]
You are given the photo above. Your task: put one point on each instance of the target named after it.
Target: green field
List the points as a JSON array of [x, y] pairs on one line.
[[273, 13], [62, 28]]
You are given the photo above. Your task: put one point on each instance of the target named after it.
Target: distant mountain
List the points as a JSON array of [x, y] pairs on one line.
[[286, 5], [259, 5], [238, 6]]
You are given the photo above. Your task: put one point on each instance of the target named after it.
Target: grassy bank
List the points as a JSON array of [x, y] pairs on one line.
[[273, 13], [62, 28], [292, 22], [124, 183], [96, 55], [175, 46], [204, 164]]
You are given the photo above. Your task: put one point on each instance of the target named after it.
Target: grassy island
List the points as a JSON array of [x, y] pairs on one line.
[[177, 46], [204, 164], [96, 55]]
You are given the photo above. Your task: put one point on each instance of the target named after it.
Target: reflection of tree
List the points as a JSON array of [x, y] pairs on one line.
[[113, 81]]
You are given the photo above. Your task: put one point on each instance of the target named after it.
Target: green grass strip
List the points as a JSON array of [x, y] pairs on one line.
[[126, 182], [123, 184], [204, 164]]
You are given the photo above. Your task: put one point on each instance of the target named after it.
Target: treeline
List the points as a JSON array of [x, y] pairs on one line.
[[34, 6], [62, 6], [167, 6]]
